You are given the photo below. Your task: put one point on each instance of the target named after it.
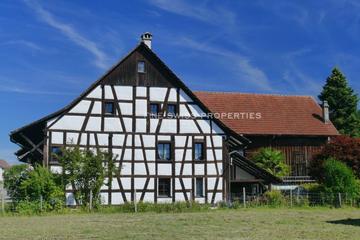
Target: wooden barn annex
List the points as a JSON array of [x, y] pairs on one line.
[[170, 146]]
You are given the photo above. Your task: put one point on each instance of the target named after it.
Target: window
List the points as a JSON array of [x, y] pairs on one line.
[[164, 188], [55, 152], [171, 110], [199, 151], [109, 108], [141, 67], [154, 110], [164, 151], [199, 187]]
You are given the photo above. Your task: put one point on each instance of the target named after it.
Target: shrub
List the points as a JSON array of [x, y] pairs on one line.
[[12, 181], [271, 160], [342, 148], [338, 178], [274, 198]]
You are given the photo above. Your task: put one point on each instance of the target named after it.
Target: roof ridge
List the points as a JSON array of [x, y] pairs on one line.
[[260, 94]]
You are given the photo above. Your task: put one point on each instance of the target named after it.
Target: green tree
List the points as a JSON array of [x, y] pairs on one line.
[[342, 103], [339, 178], [272, 160], [13, 177], [85, 171]]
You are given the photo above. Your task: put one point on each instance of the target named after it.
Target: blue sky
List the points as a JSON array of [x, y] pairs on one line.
[[50, 51]]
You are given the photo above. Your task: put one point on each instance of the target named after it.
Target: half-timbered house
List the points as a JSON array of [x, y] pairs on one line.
[[168, 145]]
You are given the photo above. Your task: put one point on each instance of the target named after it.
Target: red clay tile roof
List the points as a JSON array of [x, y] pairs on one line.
[[4, 164], [280, 115]]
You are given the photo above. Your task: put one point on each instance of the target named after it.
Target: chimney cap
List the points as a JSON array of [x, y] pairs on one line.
[[146, 36]]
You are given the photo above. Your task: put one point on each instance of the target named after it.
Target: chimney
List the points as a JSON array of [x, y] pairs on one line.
[[146, 38], [325, 110]]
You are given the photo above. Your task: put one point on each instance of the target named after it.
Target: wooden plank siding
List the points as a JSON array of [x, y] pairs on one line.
[[298, 151]]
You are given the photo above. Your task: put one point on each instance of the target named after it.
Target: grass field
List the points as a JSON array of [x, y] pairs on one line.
[[261, 223]]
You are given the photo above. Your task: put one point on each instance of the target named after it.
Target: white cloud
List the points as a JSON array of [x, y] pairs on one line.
[[240, 65], [70, 32], [202, 12], [24, 43]]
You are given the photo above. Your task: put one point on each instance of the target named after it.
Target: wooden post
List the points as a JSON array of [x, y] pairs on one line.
[[339, 199], [135, 200], [291, 198], [41, 203], [90, 200], [244, 197]]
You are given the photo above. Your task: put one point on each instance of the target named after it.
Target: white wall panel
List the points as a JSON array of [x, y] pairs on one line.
[[118, 139], [211, 169], [141, 91], [83, 139], [187, 170], [179, 155], [72, 138], [139, 156], [153, 125], [103, 139], [172, 95], [57, 138], [129, 141], [126, 169], [164, 169], [96, 108], [199, 169], [150, 155], [148, 197], [126, 108], [204, 125], [187, 183], [196, 110], [184, 112], [141, 107], [69, 123], [152, 169], [157, 94], [168, 126], [112, 124], [94, 124], [164, 138], [139, 184], [149, 140], [108, 93], [104, 198], [140, 125], [81, 107], [177, 169], [116, 198], [128, 154], [117, 153], [188, 126], [128, 124], [115, 184], [95, 93], [126, 182], [184, 97], [140, 169], [179, 197], [124, 92], [180, 141]]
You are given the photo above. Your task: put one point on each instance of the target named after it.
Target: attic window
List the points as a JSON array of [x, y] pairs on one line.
[[141, 67], [109, 108]]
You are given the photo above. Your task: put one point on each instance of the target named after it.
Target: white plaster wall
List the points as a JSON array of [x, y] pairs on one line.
[[95, 93], [141, 107], [188, 126], [94, 124], [112, 124], [124, 92], [69, 123], [81, 107], [168, 126], [141, 91], [164, 169], [57, 138], [157, 94]]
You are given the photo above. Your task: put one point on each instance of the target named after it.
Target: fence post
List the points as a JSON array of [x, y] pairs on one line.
[[244, 197], [339, 199], [298, 197], [291, 198], [2, 192], [91, 200], [41, 203], [135, 200]]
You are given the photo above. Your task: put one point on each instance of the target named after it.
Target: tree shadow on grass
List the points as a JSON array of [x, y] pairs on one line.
[[348, 221]]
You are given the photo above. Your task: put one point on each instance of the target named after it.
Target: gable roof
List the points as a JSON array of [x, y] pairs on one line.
[[34, 130], [280, 115], [4, 164]]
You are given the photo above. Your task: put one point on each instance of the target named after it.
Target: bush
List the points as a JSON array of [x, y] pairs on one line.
[[27, 187], [272, 160], [338, 178], [342, 148], [274, 198]]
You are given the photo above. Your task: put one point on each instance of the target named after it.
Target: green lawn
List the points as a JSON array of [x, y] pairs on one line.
[[216, 224]]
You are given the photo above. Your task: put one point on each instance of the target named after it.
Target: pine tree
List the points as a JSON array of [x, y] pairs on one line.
[[342, 103]]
